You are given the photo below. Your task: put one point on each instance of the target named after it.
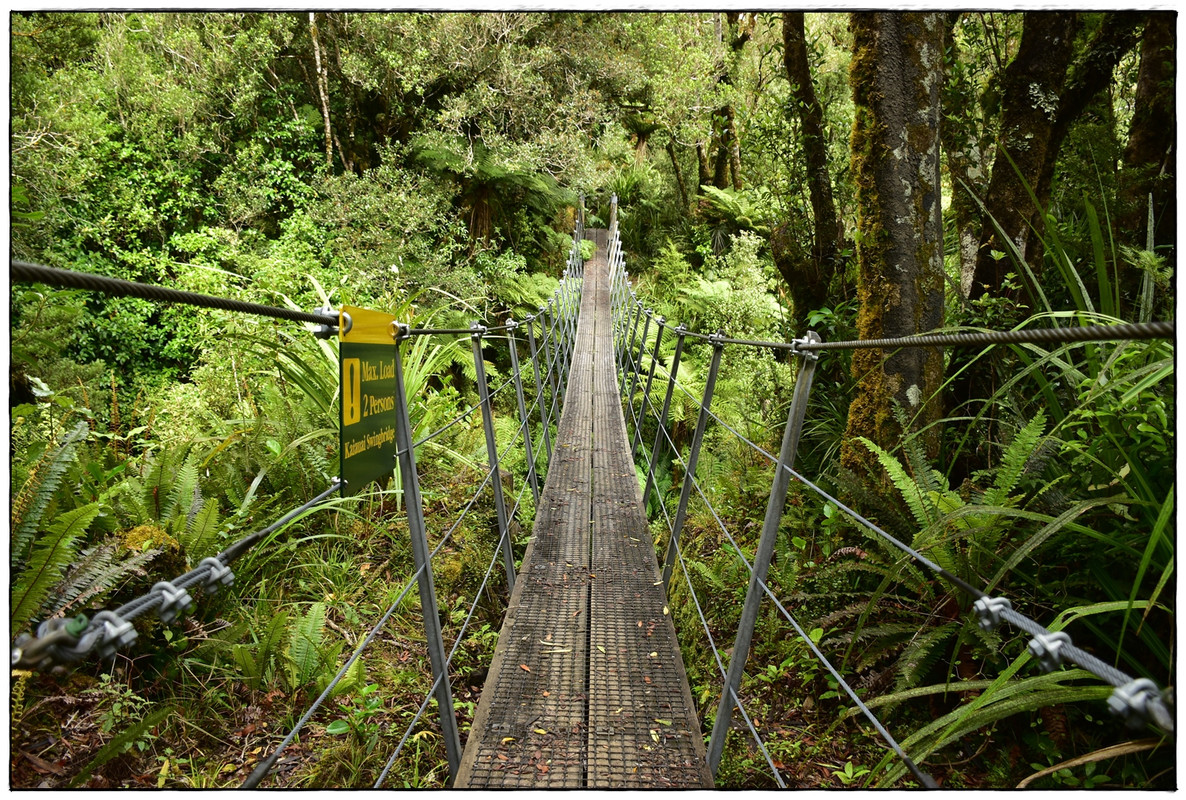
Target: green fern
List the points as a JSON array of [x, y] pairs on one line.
[[1014, 460], [200, 532], [52, 552], [305, 646], [30, 504], [97, 570]]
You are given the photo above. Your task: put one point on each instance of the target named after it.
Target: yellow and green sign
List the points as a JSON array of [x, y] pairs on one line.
[[366, 356]]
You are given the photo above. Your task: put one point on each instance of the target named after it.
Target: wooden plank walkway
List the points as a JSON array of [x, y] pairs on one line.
[[587, 688]]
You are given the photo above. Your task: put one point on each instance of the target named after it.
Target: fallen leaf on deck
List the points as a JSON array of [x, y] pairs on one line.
[[540, 731], [525, 668]]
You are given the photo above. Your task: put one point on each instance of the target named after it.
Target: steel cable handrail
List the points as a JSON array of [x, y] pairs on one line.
[[110, 630], [1051, 648]]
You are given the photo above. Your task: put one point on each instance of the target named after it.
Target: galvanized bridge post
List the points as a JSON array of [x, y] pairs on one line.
[[774, 510], [420, 554], [539, 387], [622, 351], [660, 439], [628, 349], [646, 390], [504, 536], [517, 373], [550, 347], [642, 346], [685, 495]]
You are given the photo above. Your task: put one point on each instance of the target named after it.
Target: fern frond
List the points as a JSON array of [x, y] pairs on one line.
[[304, 646], [34, 497], [922, 652], [51, 554], [1013, 461], [915, 499], [184, 496], [97, 571], [200, 532]]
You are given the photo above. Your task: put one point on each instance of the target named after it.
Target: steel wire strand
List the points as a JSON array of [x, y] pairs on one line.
[[720, 664], [75, 647], [707, 502], [468, 412], [391, 610], [25, 272], [750, 569], [1091, 663], [261, 771], [445, 671], [923, 778], [757, 738]]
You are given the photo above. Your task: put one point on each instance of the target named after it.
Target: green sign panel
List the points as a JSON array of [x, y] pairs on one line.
[[366, 357]]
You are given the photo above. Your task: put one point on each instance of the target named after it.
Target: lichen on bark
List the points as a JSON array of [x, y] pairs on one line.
[[896, 75]]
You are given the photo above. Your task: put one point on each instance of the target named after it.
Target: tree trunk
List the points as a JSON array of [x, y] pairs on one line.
[[703, 174], [1031, 87], [734, 149], [810, 282], [964, 144], [322, 89], [896, 77], [1150, 155], [679, 175], [1091, 74]]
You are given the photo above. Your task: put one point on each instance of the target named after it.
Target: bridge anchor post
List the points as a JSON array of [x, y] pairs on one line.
[[765, 551]]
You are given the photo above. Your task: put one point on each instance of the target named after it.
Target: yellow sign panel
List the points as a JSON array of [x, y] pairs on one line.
[[367, 327], [367, 364]]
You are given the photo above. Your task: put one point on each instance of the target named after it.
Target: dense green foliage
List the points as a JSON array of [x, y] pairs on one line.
[[430, 165]]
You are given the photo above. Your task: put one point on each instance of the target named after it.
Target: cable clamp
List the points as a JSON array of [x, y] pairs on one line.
[[477, 330], [511, 324], [717, 339], [219, 575], [115, 633], [1138, 700], [327, 331], [1047, 648], [174, 601], [810, 355], [988, 611], [399, 330]]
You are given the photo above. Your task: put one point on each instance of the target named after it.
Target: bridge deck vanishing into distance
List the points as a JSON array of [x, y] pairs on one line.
[[587, 688]]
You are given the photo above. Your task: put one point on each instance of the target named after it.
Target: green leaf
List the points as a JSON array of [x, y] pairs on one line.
[[338, 727]]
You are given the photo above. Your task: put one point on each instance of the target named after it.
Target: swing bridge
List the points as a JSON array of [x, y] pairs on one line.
[[587, 687]]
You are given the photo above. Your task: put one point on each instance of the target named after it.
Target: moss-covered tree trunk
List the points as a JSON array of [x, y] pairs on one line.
[[1031, 87], [807, 278], [897, 72], [1150, 155]]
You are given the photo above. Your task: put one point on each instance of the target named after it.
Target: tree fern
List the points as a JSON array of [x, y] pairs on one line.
[[51, 553], [34, 498]]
